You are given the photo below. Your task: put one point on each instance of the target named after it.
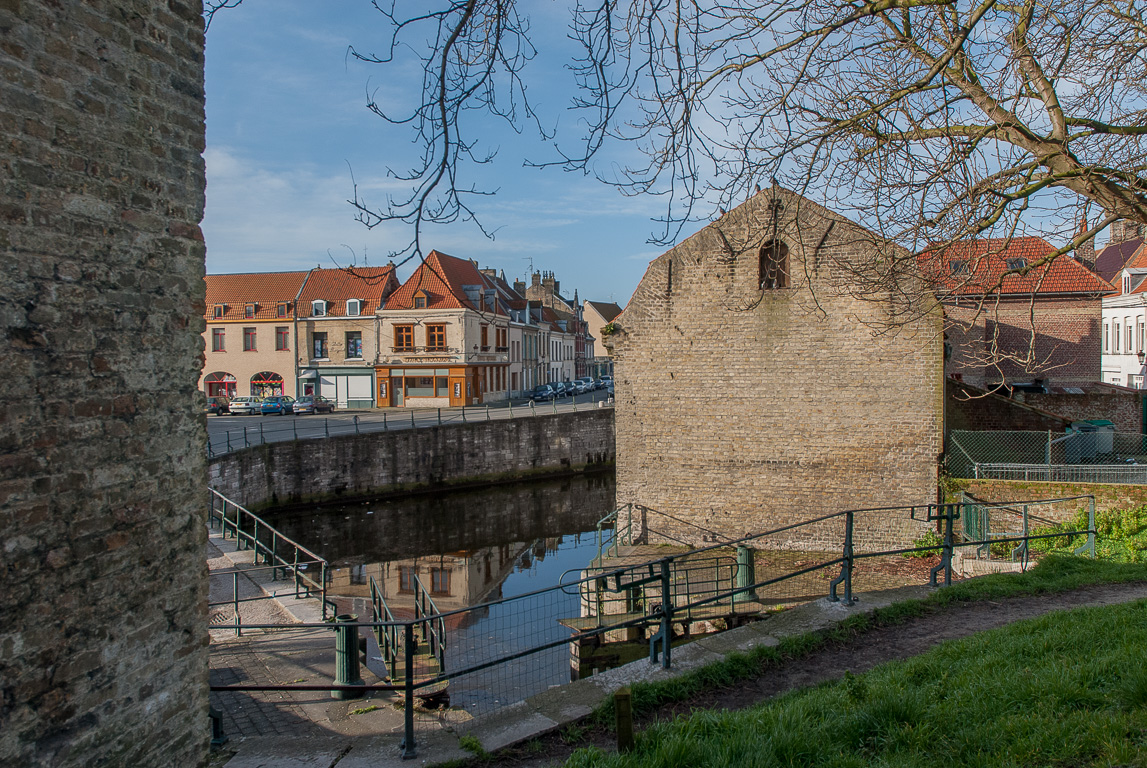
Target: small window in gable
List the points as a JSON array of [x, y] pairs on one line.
[[773, 269], [1016, 263], [959, 267], [319, 308], [420, 300], [353, 307], [219, 310], [1126, 284]]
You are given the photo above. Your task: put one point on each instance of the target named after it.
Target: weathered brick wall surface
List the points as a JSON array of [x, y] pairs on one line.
[[1106, 496], [739, 409], [975, 409], [1066, 348], [361, 465], [1120, 405], [103, 652]]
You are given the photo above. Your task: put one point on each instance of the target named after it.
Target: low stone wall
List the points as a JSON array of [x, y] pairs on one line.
[[357, 466], [1106, 496]]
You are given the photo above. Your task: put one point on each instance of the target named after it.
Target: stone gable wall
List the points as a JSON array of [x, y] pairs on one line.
[[103, 637], [740, 409], [358, 466]]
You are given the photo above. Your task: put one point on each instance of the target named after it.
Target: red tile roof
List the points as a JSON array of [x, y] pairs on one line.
[[1111, 260], [264, 289], [985, 261], [442, 278], [334, 286]]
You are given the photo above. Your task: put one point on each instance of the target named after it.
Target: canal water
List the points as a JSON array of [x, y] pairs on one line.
[[471, 548]]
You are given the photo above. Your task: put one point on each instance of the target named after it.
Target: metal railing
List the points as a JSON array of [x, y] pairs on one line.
[[284, 557], [827, 556], [273, 429], [1080, 457]]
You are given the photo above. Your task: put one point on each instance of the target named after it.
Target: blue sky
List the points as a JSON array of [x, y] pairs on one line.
[[287, 124]]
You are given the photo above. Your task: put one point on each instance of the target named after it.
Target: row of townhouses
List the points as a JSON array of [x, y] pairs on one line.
[[451, 334]]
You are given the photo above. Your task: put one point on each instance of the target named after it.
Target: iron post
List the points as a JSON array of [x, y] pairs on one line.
[[327, 426], [745, 576], [385, 426], [408, 746], [440, 417], [262, 440], [229, 449], [487, 411], [346, 657], [356, 424], [412, 418], [246, 442]]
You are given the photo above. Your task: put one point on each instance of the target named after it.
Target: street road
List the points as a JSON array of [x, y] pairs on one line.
[[232, 433]]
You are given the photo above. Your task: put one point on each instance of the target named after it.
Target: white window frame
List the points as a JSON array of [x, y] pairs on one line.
[[319, 308], [357, 304]]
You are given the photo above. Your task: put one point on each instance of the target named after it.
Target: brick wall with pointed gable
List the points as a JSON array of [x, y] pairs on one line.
[[103, 641], [740, 409]]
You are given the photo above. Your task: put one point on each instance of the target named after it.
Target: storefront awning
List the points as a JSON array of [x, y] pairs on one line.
[[312, 374]]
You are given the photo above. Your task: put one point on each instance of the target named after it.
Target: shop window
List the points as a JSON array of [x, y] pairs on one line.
[[319, 346], [773, 265], [218, 339], [436, 338], [420, 386], [354, 345], [249, 340], [403, 338], [442, 386], [282, 338]]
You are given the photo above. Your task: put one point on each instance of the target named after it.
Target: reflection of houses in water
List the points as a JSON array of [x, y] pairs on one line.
[[455, 579]]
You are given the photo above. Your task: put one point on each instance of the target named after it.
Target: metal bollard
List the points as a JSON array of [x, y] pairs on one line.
[[487, 413], [385, 426], [356, 424], [412, 418], [440, 417], [295, 427], [346, 657], [327, 426], [246, 442], [262, 440], [746, 574]]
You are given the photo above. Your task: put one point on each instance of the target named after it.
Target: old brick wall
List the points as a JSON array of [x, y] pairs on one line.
[[1107, 496], [362, 465], [739, 409], [1120, 405], [103, 657], [1066, 348], [976, 409]]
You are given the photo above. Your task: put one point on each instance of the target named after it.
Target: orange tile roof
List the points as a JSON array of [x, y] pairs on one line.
[[264, 289], [442, 277], [335, 286], [986, 260]]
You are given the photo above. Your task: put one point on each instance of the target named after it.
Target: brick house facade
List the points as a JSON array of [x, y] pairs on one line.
[[752, 390]]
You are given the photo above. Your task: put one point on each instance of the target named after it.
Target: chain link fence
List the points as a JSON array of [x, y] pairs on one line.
[[1100, 456]]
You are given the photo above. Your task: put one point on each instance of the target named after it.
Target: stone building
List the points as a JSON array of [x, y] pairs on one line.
[[1037, 329], [599, 314], [103, 588], [338, 332], [753, 389]]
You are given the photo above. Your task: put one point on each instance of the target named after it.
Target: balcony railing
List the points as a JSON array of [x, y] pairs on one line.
[[409, 350]]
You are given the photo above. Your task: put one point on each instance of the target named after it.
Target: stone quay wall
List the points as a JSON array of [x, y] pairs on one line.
[[103, 620], [359, 466]]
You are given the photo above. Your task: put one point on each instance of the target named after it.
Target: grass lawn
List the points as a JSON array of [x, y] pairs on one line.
[[1066, 689]]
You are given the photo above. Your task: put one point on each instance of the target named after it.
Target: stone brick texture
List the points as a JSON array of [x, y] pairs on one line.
[[359, 466], [1120, 405], [1063, 333], [976, 409], [740, 408], [103, 638], [1107, 496]]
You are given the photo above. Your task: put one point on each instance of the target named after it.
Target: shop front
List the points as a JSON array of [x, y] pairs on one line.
[[219, 384], [417, 387], [266, 384], [345, 387]]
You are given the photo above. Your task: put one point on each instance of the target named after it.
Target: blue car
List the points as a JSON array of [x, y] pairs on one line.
[[277, 404]]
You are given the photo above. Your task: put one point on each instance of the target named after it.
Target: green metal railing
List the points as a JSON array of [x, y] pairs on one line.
[[284, 557]]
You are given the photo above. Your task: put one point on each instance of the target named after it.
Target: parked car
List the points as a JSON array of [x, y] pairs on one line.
[[607, 380], [308, 404], [245, 405], [560, 389], [584, 384], [217, 405], [277, 404], [542, 392]]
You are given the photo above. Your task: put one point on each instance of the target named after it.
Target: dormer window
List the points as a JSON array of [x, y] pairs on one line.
[[353, 307], [1126, 284], [1016, 264], [959, 267], [282, 309], [219, 309], [319, 308], [249, 310], [420, 298]]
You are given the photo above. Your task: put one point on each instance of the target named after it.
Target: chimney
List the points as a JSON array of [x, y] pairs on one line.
[[550, 283], [1124, 230], [536, 279], [520, 287], [1085, 253]]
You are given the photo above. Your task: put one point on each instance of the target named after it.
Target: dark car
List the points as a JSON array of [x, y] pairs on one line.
[[542, 392], [218, 405], [308, 404], [277, 404]]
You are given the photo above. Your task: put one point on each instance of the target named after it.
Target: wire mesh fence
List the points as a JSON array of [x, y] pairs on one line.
[[450, 666], [1099, 456], [275, 429]]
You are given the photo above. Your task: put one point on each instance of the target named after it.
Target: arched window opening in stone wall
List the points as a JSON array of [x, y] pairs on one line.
[[773, 267]]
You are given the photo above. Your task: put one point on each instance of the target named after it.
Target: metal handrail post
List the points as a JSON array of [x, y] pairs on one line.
[[229, 448], [246, 442], [327, 426], [356, 424], [487, 411], [235, 598], [408, 746], [412, 418], [440, 417], [385, 426], [666, 615], [262, 440]]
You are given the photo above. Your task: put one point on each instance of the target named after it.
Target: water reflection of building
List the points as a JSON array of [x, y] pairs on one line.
[[455, 579]]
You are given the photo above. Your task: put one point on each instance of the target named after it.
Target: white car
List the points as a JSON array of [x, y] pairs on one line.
[[584, 384], [245, 406]]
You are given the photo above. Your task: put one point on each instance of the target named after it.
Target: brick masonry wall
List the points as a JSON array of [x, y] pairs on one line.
[[975, 409], [1106, 496], [103, 641], [1067, 345], [1122, 406], [740, 409], [362, 465]]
